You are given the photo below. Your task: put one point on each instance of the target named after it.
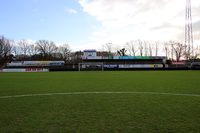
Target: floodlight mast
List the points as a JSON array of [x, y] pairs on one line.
[[189, 50]]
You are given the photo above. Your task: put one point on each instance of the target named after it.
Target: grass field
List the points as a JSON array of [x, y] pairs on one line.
[[101, 112]]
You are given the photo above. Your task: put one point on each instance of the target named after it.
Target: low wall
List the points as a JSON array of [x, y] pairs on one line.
[[25, 70]]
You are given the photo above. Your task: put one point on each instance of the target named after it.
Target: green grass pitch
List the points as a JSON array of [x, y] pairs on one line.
[[128, 112]]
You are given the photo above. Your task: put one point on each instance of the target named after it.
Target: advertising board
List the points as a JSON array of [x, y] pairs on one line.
[[127, 66], [26, 70], [110, 66], [37, 63]]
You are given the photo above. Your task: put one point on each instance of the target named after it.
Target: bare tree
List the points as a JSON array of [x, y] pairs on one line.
[[122, 52], [5, 47], [131, 46], [24, 46], [178, 49], [169, 50], [145, 44], [5, 50], [150, 49], [41, 46], [51, 48], [65, 52], [156, 48], [45, 47], [147, 48], [196, 52], [188, 52], [76, 56], [140, 47], [32, 50], [166, 49], [108, 47], [14, 50]]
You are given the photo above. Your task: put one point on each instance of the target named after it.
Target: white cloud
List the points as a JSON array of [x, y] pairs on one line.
[[71, 11], [124, 20]]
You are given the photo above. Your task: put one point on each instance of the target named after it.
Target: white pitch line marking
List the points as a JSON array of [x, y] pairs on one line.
[[80, 93]]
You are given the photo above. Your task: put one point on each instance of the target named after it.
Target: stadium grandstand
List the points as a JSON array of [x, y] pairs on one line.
[[90, 61], [32, 66], [95, 60]]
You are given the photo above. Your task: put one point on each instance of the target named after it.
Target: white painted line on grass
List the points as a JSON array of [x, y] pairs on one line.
[[109, 92]]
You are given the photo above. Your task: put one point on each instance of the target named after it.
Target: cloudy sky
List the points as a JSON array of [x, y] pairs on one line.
[[88, 24]]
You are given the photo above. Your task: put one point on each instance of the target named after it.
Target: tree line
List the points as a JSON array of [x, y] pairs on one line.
[[49, 50], [27, 50], [172, 50]]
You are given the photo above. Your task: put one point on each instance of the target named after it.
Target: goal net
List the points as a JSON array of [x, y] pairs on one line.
[[87, 66]]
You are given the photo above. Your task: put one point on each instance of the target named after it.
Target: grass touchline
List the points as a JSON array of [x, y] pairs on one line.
[[80, 93]]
